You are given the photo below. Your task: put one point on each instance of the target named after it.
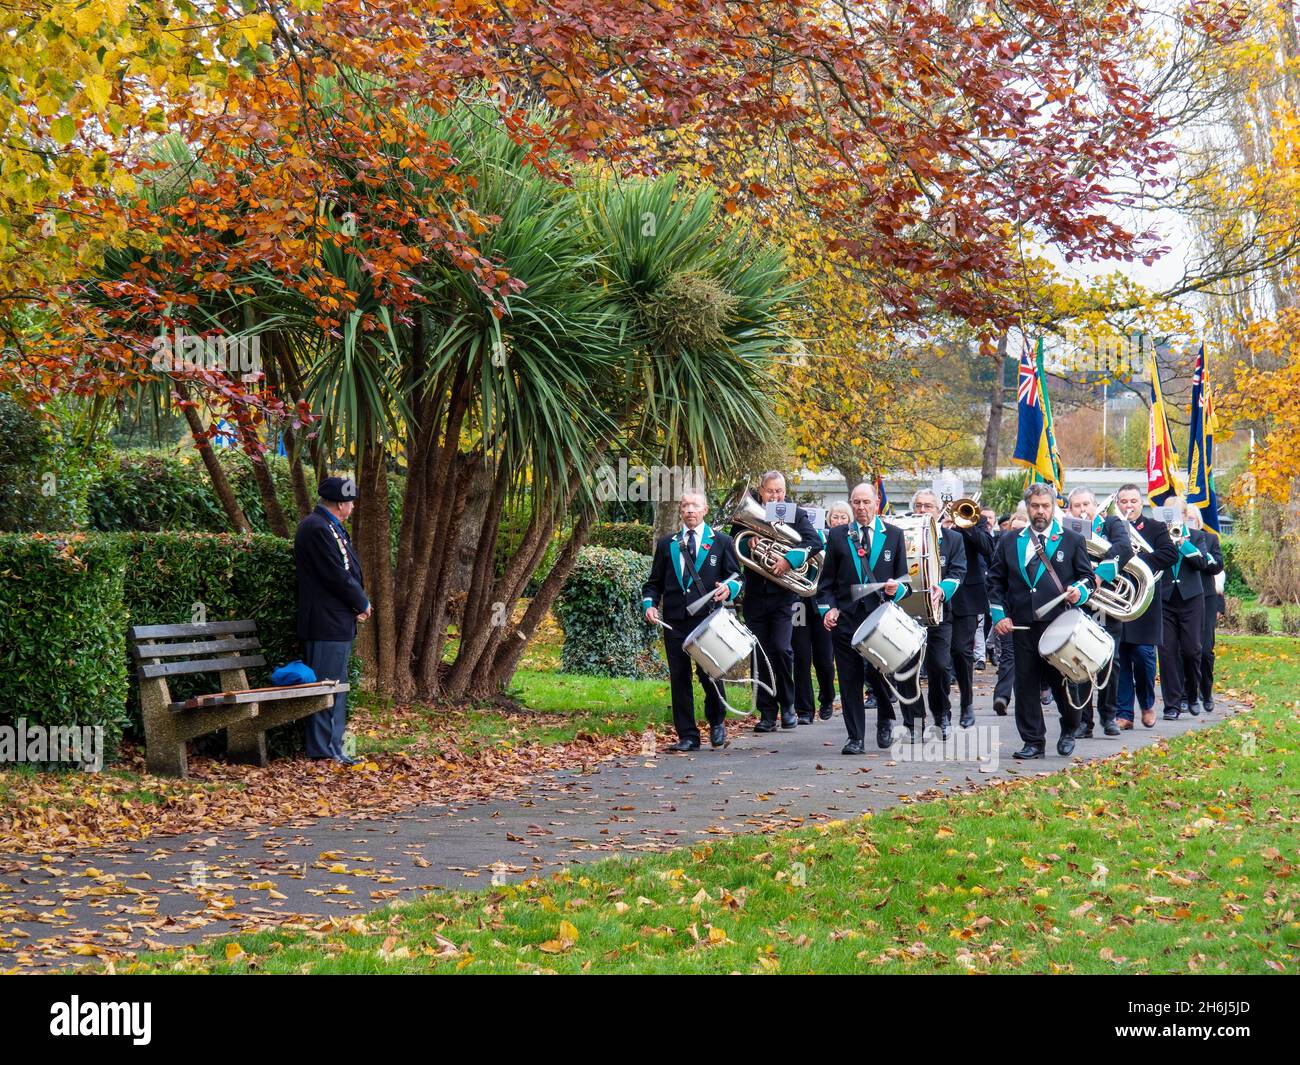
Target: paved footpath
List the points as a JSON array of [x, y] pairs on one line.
[[173, 890]]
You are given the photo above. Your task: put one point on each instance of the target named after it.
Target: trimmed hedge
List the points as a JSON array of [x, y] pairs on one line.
[[623, 535], [1234, 583], [598, 608], [46, 475], [63, 632]]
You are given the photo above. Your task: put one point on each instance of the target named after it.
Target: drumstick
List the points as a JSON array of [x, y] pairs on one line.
[[1048, 605], [859, 591], [699, 604], [660, 621]]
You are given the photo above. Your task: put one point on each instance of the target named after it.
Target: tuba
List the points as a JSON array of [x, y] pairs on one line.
[[768, 541], [1135, 584], [921, 531]]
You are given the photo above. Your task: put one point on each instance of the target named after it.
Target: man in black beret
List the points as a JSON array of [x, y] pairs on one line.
[[331, 600]]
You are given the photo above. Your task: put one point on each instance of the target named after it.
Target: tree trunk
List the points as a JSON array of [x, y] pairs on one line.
[[220, 482], [266, 489], [989, 466], [666, 518]]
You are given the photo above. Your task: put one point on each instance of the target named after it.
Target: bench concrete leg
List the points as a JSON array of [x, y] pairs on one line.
[[246, 742], [164, 746]]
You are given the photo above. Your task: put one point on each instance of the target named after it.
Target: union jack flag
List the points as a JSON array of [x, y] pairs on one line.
[[1027, 385]]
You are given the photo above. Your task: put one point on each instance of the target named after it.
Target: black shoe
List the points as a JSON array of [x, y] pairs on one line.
[[1000, 707], [885, 735], [346, 761], [1083, 732], [718, 735], [681, 746], [979, 665], [870, 703], [806, 719], [945, 726], [1194, 709], [766, 724], [1110, 728], [852, 747], [788, 720], [967, 716], [1171, 714], [1029, 750], [1208, 705], [825, 712], [1045, 697], [1182, 707], [1065, 745]]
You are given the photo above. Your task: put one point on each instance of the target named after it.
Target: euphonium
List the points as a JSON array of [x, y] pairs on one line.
[[1133, 590], [768, 541]]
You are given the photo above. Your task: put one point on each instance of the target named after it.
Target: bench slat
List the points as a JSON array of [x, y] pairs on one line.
[[262, 695], [193, 647], [201, 665], [208, 628]]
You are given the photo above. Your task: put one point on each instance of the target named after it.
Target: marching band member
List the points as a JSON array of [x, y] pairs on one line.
[[865, 551], [812, 644], [985, 647], [1083, 504], [686, 566], [1182, 598], [969, 605], [1016, 590], [1136, 654], [1213, 608], [1006, 682], [938, 647], [769, 610]]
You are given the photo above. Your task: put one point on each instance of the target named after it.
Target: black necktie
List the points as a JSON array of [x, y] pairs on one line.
[[690, 549], [1037, 561]]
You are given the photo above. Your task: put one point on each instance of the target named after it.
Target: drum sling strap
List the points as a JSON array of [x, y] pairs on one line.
[[1094, 685]]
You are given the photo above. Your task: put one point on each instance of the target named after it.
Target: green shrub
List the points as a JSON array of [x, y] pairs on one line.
[[599, 610], [1234, 582], [178, 578], [1232, 617], [1289, 620], [63, 632], [623, 535], [1003, 493], [46, 475], [1257, 622]]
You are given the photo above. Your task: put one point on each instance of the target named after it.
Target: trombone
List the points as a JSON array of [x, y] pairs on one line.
[[964, 512]]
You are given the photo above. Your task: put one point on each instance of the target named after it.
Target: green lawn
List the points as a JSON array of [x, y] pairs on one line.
[[1179, 857]]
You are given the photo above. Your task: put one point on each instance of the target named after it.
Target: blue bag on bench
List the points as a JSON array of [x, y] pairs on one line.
[[295, 672]]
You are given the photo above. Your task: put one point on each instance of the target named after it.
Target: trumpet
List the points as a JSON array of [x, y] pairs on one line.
[[768, 541]]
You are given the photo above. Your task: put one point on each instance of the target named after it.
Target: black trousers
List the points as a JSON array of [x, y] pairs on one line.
[[938, 670], [963, 655], [679, 678], [1006, 683], [772, 625], [1103, 696], [1180, 649], [1207, 648], [1033, 675], [856, 672], [812, 651]]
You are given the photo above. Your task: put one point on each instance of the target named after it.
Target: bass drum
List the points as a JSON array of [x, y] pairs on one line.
[[889, 638], [1077, 646], [719, 643]]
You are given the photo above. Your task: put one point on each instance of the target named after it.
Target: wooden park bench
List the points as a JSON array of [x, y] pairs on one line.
[[227, 648]]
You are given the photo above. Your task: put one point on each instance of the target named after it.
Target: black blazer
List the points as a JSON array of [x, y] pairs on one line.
[[839, 574], [953, 568], [1149, 628], [672, 591], [1214, 549], [1186, 578], [1011, 593], [972, 597], [331, 586], [764, 594]]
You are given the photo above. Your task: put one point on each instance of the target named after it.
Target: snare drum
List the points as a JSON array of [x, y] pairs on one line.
[[889, 638], [719, 643], [1077, 646]]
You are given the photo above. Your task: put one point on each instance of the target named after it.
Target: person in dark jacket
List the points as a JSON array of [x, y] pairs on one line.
[[970, 605], [1182, 595], [331, 600], [1211, 575]]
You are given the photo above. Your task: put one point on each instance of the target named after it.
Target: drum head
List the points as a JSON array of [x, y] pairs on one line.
[[703, 627], [1058, 632], [872, 623]]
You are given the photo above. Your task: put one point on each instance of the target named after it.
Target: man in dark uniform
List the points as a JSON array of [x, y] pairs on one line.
[[969, 606], [331, 600], [687, 565], [1028, 571], [939, 638], [1213, 608], [812, 645], [1114, 529], [1182, 595], [769, 610], [1140, 637], [866, 551], [1005, 686]]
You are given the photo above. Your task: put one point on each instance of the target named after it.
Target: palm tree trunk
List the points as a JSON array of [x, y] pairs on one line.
[[989, 465], [220, 482]]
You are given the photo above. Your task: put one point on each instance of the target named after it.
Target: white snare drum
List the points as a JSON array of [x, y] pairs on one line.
[[1077, 646], [889, 638], [719, 643]]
